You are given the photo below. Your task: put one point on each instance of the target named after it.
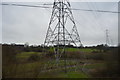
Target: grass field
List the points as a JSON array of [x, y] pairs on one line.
[[26, 54], [82, 49], [32, 70], [48, 68], [88, 50], [37, 68], [65, 75]]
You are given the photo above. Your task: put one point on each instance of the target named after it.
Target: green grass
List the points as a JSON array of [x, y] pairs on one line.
[[76, 75], [88, 50], [95, 65], [32, 69], [26, 54], [81, 49], [64, 75]]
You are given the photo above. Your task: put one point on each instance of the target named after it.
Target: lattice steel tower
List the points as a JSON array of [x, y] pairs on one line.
[[107, 38], [62, 29]]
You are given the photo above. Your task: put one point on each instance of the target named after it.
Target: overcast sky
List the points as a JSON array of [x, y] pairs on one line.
[[22, 24]]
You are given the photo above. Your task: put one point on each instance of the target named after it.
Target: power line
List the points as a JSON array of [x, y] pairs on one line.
[[97, 10], [51, 7], [26, 5]]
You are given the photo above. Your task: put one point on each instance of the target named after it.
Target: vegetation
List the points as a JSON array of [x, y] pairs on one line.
[[28, 62]]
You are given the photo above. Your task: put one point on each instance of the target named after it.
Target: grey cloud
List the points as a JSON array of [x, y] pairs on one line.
[[22, 24]]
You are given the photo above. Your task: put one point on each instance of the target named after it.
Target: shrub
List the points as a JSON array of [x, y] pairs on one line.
[[34, 57], [95, 56]]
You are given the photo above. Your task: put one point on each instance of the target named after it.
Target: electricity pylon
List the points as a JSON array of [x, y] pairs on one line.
[[62, 30], [107, 38]]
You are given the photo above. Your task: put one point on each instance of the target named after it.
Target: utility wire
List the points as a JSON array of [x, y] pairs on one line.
[[96, 10], [26, 5], [51, 7]]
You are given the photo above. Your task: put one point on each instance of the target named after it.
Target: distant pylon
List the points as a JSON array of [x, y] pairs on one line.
[[107, 38], [58, 35]]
